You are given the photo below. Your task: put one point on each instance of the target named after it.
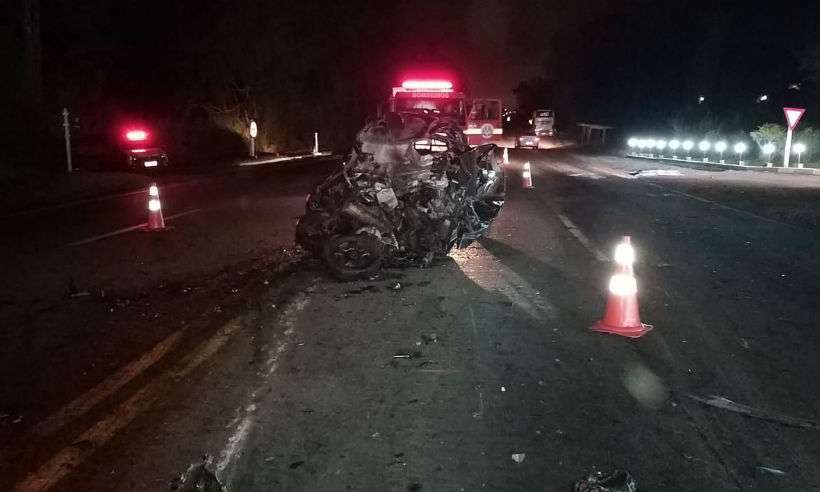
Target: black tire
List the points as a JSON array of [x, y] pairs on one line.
[[353, 257]]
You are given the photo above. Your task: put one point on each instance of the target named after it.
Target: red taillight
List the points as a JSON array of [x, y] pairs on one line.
[[136, 135], [139, 151], [427, 84]]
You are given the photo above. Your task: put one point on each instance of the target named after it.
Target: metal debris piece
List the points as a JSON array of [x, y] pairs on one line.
[[519, 457], [773, 471], [726, 404], [617, 481], [407, 355], [396, 201], [655, 172]]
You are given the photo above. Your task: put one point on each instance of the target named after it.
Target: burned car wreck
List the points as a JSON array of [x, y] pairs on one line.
[[411, 190]]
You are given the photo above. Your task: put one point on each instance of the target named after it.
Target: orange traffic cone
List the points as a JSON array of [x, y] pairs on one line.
[[526, 176], [622, 316], [155, 220]]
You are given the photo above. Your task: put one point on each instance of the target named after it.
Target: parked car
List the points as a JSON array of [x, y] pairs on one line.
[[527, 141], [140, 152]]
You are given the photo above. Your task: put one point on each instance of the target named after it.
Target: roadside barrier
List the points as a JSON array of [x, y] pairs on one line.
[[621, 316]]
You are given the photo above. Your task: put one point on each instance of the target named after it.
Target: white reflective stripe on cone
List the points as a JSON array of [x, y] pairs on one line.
[[622, 284]]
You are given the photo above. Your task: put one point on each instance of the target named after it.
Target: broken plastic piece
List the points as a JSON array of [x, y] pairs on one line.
[[518, 457]]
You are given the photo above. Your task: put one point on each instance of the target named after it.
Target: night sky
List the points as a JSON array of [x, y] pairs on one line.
[[631, 63]]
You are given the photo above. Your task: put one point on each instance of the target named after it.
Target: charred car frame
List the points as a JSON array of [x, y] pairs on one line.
[[411, 190]]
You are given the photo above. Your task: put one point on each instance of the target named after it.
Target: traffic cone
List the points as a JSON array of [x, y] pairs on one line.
[[155, 220], [506, 156], [526, 176], [621, 316]]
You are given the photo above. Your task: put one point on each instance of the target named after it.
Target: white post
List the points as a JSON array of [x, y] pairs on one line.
[[787, 150], [67, 128], [315, 143], [252, 132]]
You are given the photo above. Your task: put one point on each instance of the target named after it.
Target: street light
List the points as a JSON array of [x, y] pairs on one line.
[[660, 145], [721, 148], [650, 144], [769, 149], [763, 98], [674, 144], [740, 148], [704, 146], [687, 146], [798, 149], [701, 99]]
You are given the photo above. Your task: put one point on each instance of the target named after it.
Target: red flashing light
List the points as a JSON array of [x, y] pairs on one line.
[[139, 151], [427, 84], [136, 135]]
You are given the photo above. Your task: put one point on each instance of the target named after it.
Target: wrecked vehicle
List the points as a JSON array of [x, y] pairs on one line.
[[411, 189]]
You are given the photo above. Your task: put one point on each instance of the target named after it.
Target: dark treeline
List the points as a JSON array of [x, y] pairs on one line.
[[198, 71]]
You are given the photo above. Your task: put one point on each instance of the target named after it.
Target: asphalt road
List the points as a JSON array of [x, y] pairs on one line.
[[213, 340]]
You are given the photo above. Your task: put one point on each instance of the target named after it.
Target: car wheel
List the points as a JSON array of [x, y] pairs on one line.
[[354, 256]]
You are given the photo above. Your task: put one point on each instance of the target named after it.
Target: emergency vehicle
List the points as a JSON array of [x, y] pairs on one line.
[[480, 119]]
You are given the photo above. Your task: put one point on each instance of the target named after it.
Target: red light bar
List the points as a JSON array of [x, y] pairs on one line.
[[427, 84], [136, 135], [139, 151]]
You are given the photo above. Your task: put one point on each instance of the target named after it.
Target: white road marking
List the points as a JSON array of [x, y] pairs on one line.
[[106, 388], [237, 439], [575, 231], [129, 229], [725, 207], [103, 198], [612, 172], [283, 159], [493, 276], [70, 457]]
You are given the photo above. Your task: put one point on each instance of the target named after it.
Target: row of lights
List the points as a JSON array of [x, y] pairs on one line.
[[651, 144], [687, 145]]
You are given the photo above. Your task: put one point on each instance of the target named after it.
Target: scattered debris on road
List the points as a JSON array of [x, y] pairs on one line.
[[411, 190], [198, 477], [519, 457], [428, 339], [617, 481], [726, 404]]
